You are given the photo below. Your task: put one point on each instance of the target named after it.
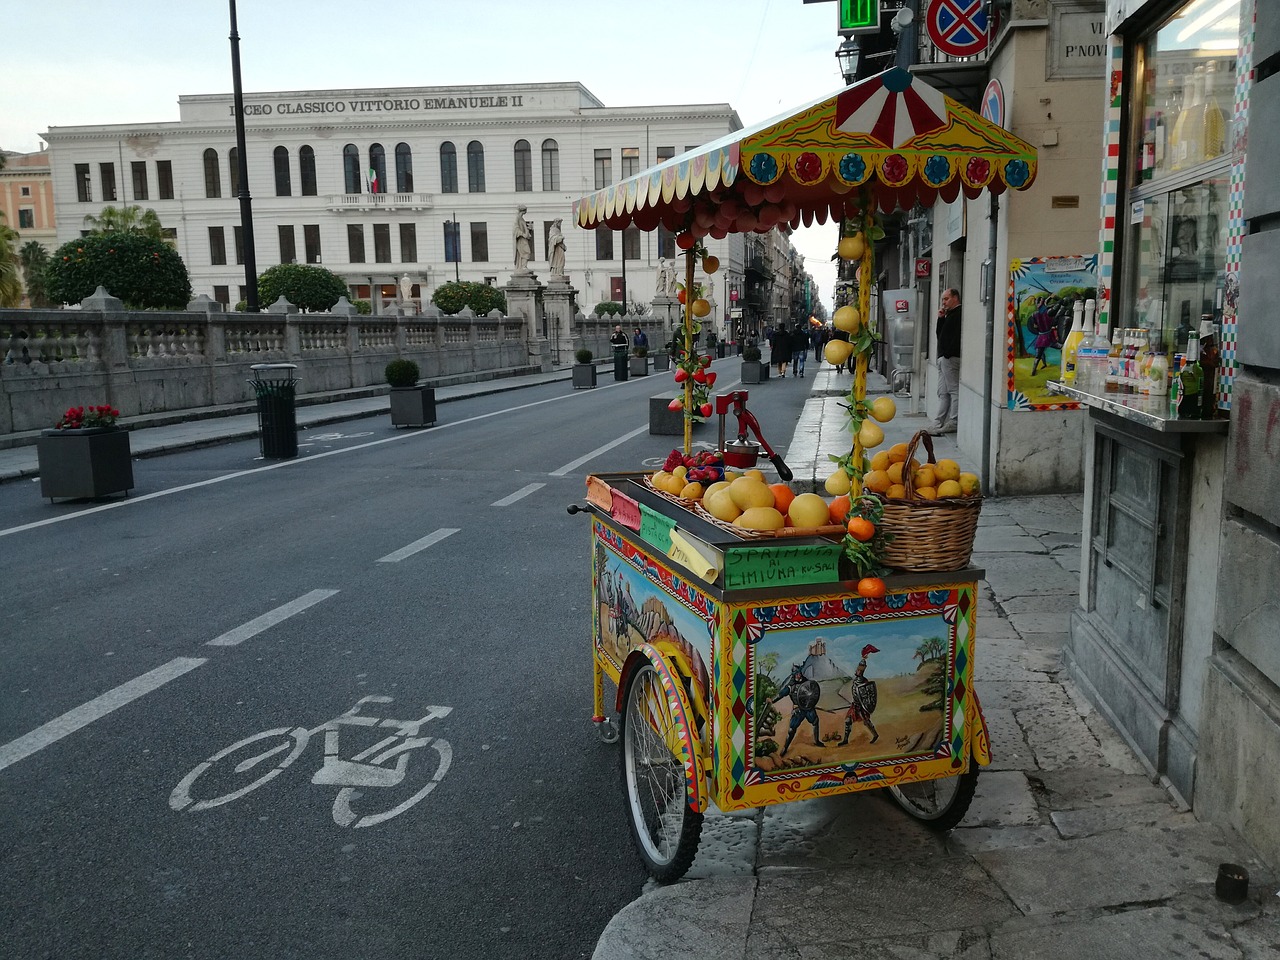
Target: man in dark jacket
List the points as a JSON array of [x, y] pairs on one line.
[[948, 339]]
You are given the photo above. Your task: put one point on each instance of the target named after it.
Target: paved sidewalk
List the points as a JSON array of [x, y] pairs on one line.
[[1069, 851]]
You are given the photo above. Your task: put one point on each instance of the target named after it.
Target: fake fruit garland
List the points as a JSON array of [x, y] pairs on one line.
[[691, 373]]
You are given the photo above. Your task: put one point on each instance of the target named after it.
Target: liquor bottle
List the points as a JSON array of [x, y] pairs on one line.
[[1210, 359], [1071, 347], [1112, 384], [1189, 381]]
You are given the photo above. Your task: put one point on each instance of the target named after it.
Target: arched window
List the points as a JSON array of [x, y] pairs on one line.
[[307, 168], [524, 166], [550, 165], [284, 186], [233, 161], [475, 167], [404, 168], [377, 169], [448, 168], [351, 168], [212, 179]]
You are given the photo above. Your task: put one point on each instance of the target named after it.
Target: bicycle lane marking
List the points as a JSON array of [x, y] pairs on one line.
[[269, 619], [409, 550], [96, 709]]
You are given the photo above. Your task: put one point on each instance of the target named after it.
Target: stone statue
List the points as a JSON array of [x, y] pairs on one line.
[[555, 243], [522, 234], [665, 282], [406, 289]]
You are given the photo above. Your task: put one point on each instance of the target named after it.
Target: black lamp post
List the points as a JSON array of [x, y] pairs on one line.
[[242, 166], [847, 55]]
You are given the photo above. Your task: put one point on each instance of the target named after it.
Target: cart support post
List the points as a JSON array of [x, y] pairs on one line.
[[688, 349]]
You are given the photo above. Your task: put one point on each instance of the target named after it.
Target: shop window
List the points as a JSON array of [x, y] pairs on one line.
[[550, 166], [164, 179], [479, 242], [448, 168], [475, 167], [288, 248], [355, 243], [404, 168], [280, 161], [382, 242], [307, 170], [351, 168], [138, 172], [524, 166]]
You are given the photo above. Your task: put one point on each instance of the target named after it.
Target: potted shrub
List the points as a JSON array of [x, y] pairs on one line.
[[639, 364], [662, 358], [584, 370], [86, 455], [411, 405], [753, 369]]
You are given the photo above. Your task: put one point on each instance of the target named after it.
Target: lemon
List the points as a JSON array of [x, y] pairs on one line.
[[851, 248], [838, 484], [947, 470], [847, 319], [880, 461], [896, 491], [731, 475], [755, 475], [659, 480], [715, 488], [949, 488], [925, 477], [761, 518], [747, 492], [870, 435], [970, 485], [837, 352], [877, 481], [721, 506], [884, 409], [680, 472], [691, 491], [809, 510], [926, 493]]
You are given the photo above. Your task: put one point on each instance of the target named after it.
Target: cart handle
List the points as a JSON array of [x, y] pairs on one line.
[[580, 508]]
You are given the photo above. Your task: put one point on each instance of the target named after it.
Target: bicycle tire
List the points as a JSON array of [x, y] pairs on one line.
[[666, 830], [181, 799], [345, 816], [939, 804]]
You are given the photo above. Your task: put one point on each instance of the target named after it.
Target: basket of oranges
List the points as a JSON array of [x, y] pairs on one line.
[[930, 509]]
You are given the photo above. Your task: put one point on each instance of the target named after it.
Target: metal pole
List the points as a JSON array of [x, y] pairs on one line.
[[624, 271], [456, 231], [246, 202]]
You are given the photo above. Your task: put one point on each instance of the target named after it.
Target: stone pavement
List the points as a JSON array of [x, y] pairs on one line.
[[1068, 851]]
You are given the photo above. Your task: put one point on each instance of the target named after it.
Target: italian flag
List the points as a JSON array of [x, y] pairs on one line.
[[373, 180]]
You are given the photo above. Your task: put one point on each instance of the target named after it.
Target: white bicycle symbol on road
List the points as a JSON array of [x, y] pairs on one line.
[[381, 766]]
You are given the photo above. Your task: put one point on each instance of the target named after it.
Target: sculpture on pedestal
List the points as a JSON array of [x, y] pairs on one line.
[[522, 234], [555, 243]]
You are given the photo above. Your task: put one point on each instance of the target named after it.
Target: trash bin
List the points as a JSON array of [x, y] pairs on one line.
[[275, 386], [620, 363]]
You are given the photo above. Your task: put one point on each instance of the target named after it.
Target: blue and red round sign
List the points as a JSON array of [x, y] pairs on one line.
[[957, 27], [993, 103]]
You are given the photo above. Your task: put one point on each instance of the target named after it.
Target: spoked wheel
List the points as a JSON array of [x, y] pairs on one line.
[[940, 804], [665, 829]]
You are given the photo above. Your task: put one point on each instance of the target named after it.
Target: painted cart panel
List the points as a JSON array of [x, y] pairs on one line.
[[808, 695]]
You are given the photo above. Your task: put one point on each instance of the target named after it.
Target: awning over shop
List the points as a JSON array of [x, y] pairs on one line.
[[891, 135]]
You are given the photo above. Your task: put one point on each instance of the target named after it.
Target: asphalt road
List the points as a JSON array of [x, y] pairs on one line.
[[145, 643]]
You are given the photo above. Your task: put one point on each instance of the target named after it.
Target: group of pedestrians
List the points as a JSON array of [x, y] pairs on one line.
[[790, 346]]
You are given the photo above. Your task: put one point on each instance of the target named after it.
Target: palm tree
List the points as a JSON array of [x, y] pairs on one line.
[[128, 219], [35, 258], [10, 280]]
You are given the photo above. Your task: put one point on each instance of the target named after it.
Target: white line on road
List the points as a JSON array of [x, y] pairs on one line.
[[95, 709], [269, 619], [573, 465], [411, 549], [518, 495]]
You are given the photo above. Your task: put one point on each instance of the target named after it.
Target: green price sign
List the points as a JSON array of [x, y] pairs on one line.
[[859, 16]]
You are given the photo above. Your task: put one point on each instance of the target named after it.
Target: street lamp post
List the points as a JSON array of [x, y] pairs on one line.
[[242, 166]]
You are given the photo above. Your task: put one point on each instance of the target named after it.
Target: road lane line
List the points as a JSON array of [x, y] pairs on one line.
[[518, 495], [269, 619], [95, 709], [599, 450], [411, 549]]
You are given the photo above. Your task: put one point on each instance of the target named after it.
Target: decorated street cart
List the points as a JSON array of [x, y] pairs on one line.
[[757, 666]]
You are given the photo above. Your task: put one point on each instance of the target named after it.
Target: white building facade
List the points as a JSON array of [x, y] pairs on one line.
[[378, 185]]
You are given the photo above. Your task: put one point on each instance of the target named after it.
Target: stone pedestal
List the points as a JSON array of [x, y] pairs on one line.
[[559, 302], [669, 310], [524, 299]]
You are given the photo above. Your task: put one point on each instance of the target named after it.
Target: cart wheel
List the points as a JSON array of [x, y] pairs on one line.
[[665, 829], [607, 731], [940, 804]]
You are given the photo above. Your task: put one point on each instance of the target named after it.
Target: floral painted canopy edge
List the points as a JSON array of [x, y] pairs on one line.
[[891, 135]]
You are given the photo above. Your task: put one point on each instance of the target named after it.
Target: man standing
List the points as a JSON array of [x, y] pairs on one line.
[[799, 349], [619, 343], [948, 337]]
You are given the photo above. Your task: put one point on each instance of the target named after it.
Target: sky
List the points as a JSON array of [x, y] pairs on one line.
[[114, 62]]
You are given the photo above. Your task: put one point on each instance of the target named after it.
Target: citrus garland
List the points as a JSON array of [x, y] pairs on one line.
[[691, 372]]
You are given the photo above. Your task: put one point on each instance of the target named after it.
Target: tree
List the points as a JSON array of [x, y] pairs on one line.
[[144, 272], [35, 261], [131, 219], [480, 297], [306, 286], [10, 281]]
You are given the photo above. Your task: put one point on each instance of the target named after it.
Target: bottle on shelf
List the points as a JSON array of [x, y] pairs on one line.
[[1158, 373], [1213, 136], [1189, 381], [1071, 347], [1112, 382], [1210, 360], [1141, 357], [1092, 357]]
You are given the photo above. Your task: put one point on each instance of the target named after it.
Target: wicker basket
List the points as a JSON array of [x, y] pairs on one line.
[[929, 536]]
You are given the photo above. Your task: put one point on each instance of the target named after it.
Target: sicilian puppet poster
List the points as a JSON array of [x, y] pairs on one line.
[[1042, 293]]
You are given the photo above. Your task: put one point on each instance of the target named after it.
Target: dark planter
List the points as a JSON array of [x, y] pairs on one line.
[[665, 422], [638, 366], [661, 361], [753, 371], [584, 376], [413, 406], [84, 464]]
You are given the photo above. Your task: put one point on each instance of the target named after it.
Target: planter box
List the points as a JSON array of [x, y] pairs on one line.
[[84, 464], [638, 366], [664, 422], [413, 406], [661, 361], [754, 371], [584, 376]]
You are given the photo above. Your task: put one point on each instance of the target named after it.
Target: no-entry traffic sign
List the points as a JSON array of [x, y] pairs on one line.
[[957, 27]]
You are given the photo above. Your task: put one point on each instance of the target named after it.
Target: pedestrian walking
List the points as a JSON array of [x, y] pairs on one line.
[[948, 338], [817, 339], [780, 350], [799, 349]]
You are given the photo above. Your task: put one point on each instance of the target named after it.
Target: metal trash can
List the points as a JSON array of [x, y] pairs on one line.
[[620, 371], [276, 389]]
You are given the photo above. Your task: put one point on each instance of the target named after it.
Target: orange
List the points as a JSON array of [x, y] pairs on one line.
[[927, 493], [860, 528], [880, 461], [871, 587], [895, 471], [877, 481], [896, 492], [897, 453], [782, 496], [839, 509]]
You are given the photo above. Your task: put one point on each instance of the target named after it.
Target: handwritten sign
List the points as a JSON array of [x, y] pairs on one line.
[[693, 554], [655, 528], [775, 565]]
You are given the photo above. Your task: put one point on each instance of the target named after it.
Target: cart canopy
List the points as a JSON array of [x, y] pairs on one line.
[[892, 136]]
